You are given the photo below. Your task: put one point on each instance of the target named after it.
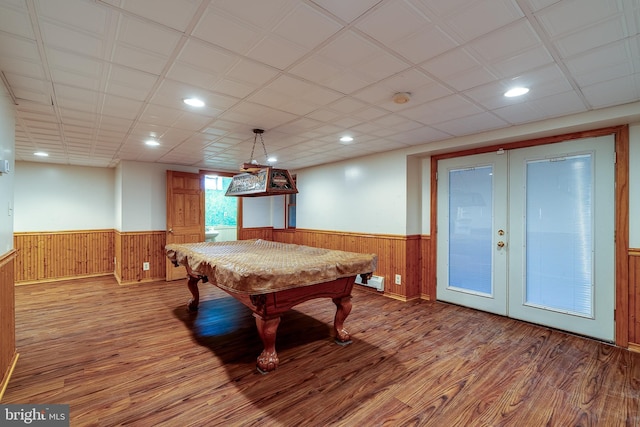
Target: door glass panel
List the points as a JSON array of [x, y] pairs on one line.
[[559, 234], [470, 224]]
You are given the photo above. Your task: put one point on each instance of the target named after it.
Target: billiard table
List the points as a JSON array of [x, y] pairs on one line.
[[270, 278]]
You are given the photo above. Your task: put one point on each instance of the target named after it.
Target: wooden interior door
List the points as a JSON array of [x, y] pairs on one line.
[[185, 213]]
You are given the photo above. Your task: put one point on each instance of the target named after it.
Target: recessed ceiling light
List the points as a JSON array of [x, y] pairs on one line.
[[516, 91], [193, 102], [272, 159], [152, 142], [40, 154], [346, 139]]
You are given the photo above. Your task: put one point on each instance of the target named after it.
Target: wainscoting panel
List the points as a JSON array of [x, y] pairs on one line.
[[264, 233], [8, 355], [634, 299], [396, 254], [48, 256], [133, 249]]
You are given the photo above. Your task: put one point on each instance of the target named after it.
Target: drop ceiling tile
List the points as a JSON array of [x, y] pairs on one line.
[[316, 69], [85, 15], [21, 82], [139, 59], [254, 115], [80, 64], [347, 105], [379, 66], [471, 124], [419, 136], [115, 124], [18, 47], [276, 52], [73, 40], [428, 42], [252, 73], [226, 32], [347, 83], [232, 88], [346, 10], [323, 115], [188, 73], [71, 78], [441, 110], [288, 87], [306, 26], [192, 122], [482, 17], [130, 83], [206, 56], [347, 50], [613, 92], [505, 42], [117, 106], [257, 14], [455, 61], [29, 68], [602, 34], [157, 114], [523, 112], [146, 36], [15, 20], [471, 78], [522, 61], [174, 14], [408, 21], [561, 18], [560, 104]]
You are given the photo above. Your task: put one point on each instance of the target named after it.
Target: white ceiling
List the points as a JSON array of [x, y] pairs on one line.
[[92, 80]]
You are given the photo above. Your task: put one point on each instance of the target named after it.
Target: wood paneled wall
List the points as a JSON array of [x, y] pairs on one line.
[[132, 249], [396, 254], [41, 257], [48, 256], [8, 354], [634, 299]]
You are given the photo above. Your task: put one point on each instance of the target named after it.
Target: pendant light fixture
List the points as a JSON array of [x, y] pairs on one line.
[[258, 180]]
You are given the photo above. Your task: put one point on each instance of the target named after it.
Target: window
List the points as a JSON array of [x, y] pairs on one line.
[[221, 212]]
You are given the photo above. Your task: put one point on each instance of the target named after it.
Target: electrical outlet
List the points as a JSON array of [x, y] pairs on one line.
[[398, 279], [145, 266]]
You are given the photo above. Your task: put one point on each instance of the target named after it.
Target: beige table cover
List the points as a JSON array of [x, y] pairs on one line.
[[261, 266]]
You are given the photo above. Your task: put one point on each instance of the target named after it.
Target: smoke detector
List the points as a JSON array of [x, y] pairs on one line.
[[401, 97]]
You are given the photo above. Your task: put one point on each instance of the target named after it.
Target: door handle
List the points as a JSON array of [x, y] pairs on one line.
[[171, 230], [501, 244]]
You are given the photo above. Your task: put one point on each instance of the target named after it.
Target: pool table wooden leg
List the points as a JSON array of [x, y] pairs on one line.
[[195, 292], [267, 328], [343, 308]]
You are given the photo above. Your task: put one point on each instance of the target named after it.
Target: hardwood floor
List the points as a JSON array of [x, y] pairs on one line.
[[133, 355]]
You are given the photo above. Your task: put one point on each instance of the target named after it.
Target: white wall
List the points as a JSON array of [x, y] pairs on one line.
[[363, 195], [143, 194], [7, 152], [257, 211], [51, 197]]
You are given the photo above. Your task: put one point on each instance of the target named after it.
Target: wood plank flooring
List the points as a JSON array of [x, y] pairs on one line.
[[132, 355]]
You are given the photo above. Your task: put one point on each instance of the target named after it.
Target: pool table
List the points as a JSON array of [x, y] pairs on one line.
[[270, 278]]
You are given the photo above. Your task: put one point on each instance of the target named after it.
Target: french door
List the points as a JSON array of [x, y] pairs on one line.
[[529, 233]]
